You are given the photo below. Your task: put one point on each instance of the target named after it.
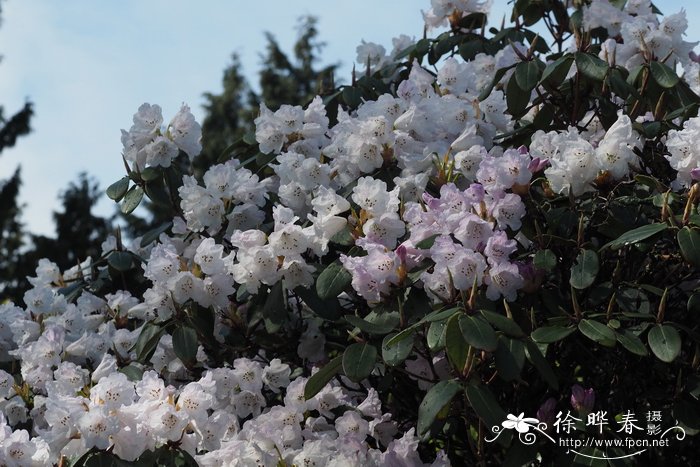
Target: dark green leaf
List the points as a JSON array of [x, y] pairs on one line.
[[549, 334], [517, 99], [455, 345], [371, 328], [406, 333], [503, 323], [157, 192], [540, 362], [358, 361], [665, 342], [527, 75], [147, 341], [120, 260], [150, 173], [352, 97], [439, 315], [632, 343], [583, 273], [132, 372], [471, 49], [152, 235], [591, 66], [663, 75], [185, 344], [326, 309], [318, 380], [395, 354], [72, 291], [597, 332], [427, 243], [693, 305], [132, 199], [555, 72], [332, 281], [478, 333], [436, 335], [689, 241], [510, 357], [545, 259], [343, 237], [636, 235], [274, 310], [434, 401], [496, 79], [117, 190], [487, 408]]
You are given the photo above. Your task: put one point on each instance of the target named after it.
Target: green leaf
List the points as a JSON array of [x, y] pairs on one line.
[[120, 260], [665, 342], [549, 334], [636, 235], [632, 343], [326, 309], [318, 380], [487, 408], [359, 360], [132, 199], [117, 190], [132, 372], [503, 323], [597, 332], [540, 362], [496, 79], [663, 75], [438, 315], [689, 241], [426, 243], [152, 235], [556, 72], [332, 281], [157, 192], [185, 344], [434, 401], [471, 49], [478, 333], [545, 259], [371, 328], [352, 97], [591, 66], [693, 305], [72, 291], [510, 357], [408, 332], [527, 75], [395, 354], [583, 273], [150, 173], [274, 310], [436, 335], [147, 341], [517, 99], [455, 345]]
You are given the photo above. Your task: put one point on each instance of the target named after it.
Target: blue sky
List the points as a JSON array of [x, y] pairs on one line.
[[87, 66]]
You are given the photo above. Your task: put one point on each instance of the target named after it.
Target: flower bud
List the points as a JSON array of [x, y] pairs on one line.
[[582, 400]]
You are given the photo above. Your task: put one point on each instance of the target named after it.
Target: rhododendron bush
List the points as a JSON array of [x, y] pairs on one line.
[[482, 223]]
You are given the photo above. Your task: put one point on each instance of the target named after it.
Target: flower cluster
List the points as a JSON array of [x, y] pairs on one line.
[[253, 411], [147, 144]]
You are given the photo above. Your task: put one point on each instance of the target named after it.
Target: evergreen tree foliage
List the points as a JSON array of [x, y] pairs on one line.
[[11, 232]]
